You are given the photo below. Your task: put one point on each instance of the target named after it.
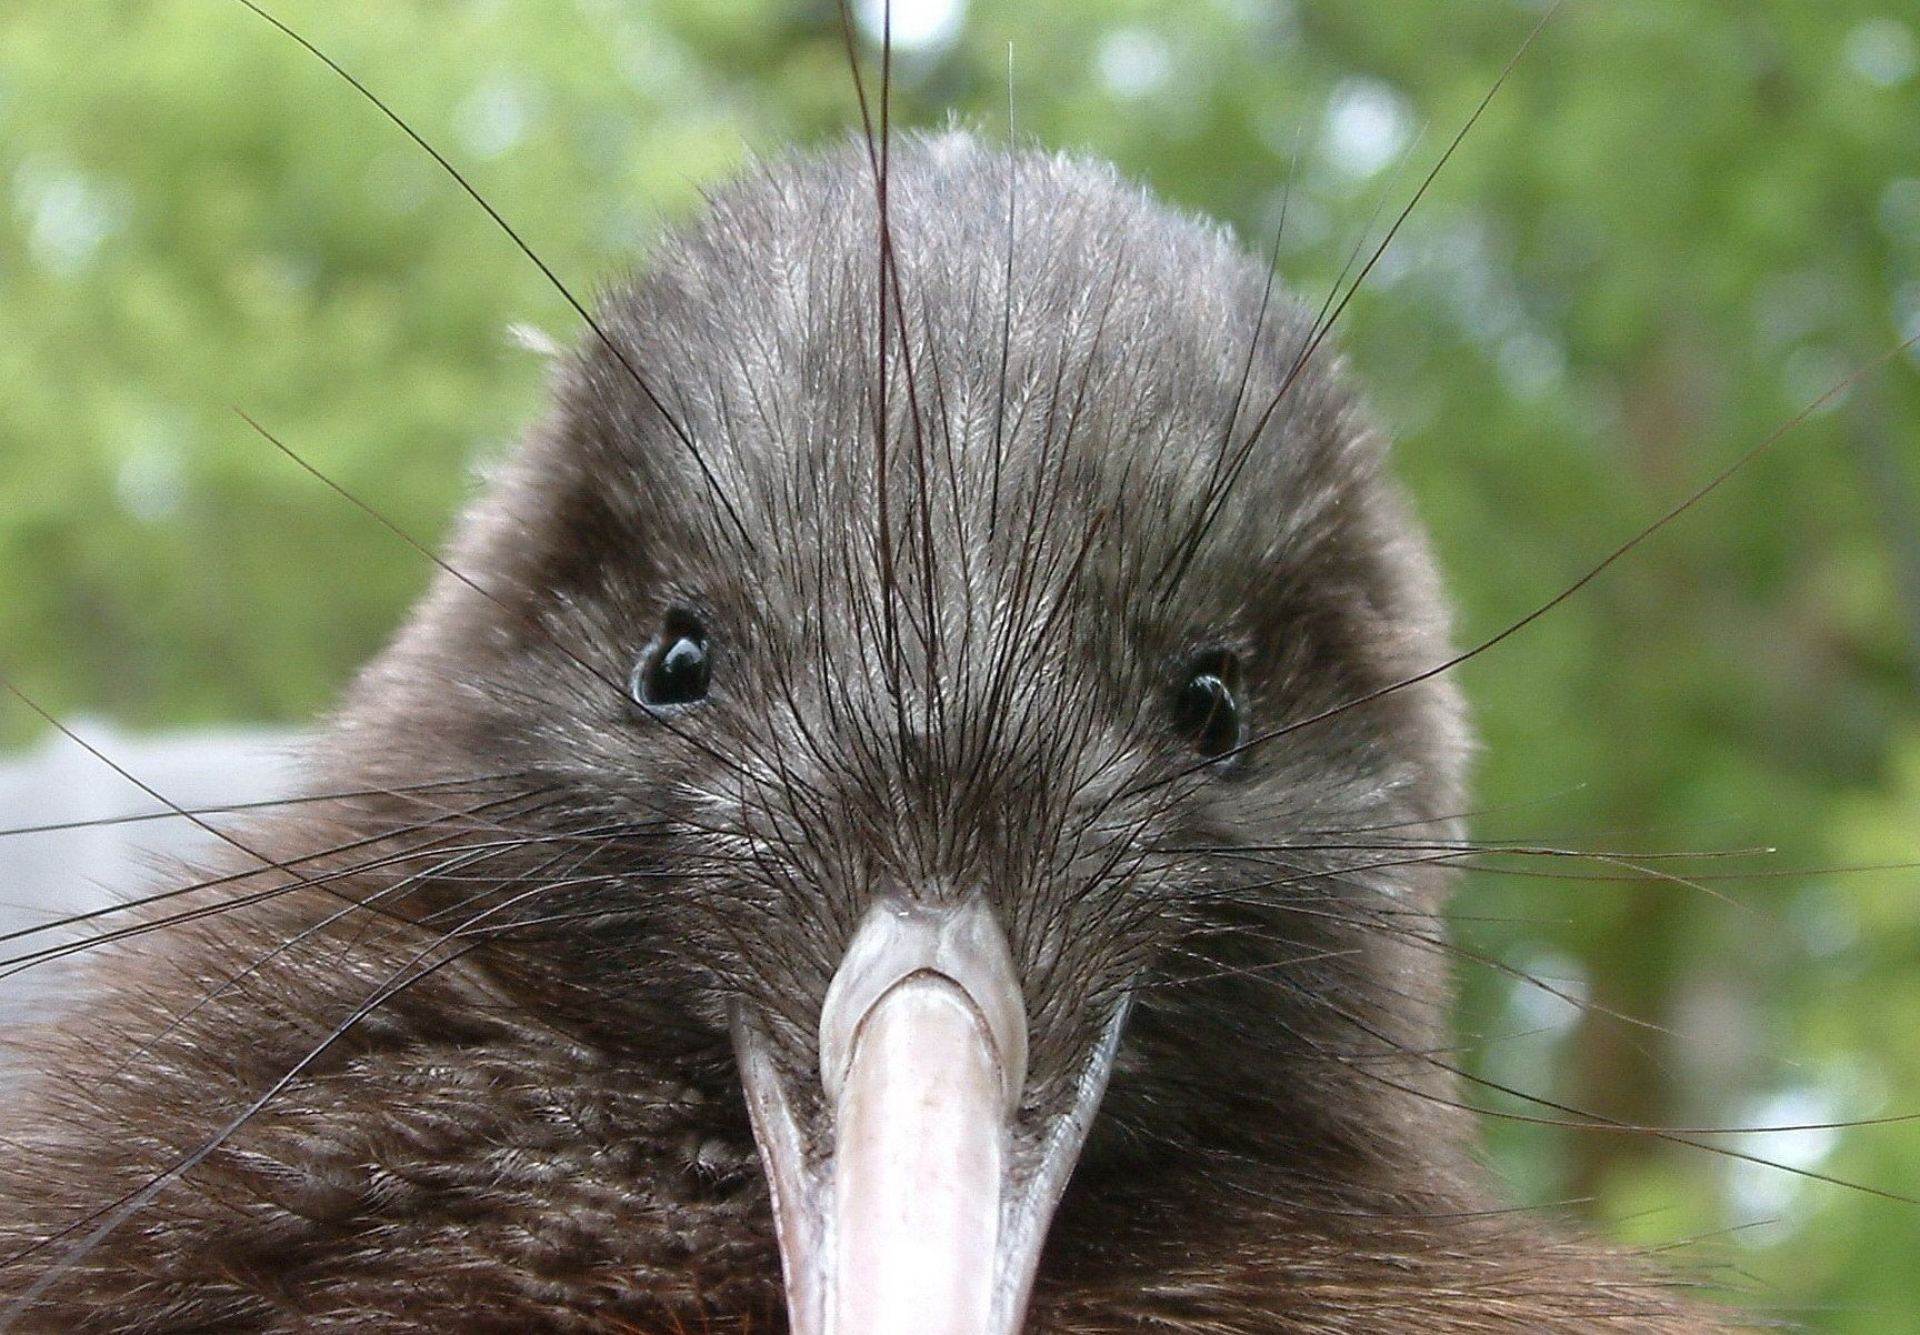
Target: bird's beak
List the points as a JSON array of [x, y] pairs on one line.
[[922, 1207]]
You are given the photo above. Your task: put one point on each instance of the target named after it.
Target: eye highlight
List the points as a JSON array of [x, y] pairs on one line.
[[1206, 707], [676, 668]]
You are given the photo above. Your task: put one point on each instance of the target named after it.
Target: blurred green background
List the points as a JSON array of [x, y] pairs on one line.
[[1679, 223]]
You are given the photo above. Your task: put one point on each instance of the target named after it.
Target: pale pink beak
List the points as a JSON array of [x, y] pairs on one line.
[[910, 1220]]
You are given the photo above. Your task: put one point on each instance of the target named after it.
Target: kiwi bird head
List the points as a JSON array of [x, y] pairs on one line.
[[977, 605]]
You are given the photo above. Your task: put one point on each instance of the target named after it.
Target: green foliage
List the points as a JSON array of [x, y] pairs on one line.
[[1675, 227]]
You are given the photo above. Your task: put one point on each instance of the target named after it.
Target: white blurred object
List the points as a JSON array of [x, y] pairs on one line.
[[52, 874]]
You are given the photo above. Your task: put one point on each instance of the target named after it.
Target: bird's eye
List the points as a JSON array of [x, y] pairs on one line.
[[1206, 708], [675, 668]]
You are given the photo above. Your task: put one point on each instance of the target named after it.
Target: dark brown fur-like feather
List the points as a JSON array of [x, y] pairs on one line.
[[461, 1060]]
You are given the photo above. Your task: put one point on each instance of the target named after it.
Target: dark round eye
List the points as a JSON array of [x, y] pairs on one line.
[[1206, 709], [675, 668]]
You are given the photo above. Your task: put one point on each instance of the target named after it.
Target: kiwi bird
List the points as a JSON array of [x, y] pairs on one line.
[[917, 804]]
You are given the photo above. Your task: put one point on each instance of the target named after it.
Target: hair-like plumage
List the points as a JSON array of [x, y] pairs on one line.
[[1005, 456]]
